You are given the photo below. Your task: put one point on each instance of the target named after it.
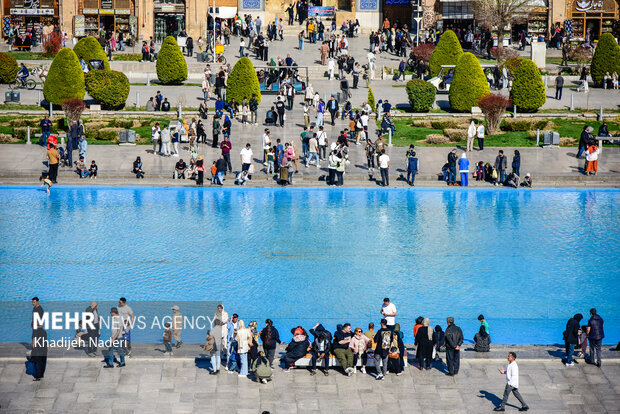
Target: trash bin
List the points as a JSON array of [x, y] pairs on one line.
[[14, 96], [122, 136], [8, 97], [551, 138], [131, 136]]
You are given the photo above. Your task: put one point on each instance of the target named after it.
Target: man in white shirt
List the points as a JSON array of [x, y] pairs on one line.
[[384, 165], [246, 158], [364, 121], [388, 310], [266, 145], [322, 140], [128, 319], [512, 383]]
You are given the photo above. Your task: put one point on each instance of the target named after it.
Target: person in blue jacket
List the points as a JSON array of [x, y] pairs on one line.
[[464, 169], [412, 166]]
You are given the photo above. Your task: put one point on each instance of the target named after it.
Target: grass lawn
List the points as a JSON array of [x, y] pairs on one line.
[[14, 107], [407, 134], [28, 56]]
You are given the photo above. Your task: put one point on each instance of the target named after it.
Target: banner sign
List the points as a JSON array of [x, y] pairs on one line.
[[397, 2], [322, 11], [37, 12]]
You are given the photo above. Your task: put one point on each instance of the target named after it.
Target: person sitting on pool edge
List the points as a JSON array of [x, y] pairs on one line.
[[81, 169], [296, 349], [137, 168]]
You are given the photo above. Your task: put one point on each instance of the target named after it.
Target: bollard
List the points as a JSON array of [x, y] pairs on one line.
[[514, 112], [390, 137], [62, 141], [51, 110], [537, 137], [148, 79], [137, 99], [572, 106], [180, 112], [546, 82], [39, 98], [28, 135]]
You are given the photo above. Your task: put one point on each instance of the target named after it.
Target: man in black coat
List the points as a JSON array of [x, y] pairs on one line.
[[452, 159], [93, 334], [454, 340], [332, 106], [571, 336]]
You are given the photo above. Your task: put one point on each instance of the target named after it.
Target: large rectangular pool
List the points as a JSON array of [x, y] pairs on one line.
[[527, 260]]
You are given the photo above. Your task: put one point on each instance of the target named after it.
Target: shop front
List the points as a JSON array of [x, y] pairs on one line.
[[104, 18], [456, 14], [39, 16], [398, 12], [533, 21], [592, 17], [169, 18]]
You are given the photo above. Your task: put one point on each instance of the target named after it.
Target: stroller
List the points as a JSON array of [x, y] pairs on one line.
[[64, 157]]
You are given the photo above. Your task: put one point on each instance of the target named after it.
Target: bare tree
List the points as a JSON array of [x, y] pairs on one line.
[[497, 14]]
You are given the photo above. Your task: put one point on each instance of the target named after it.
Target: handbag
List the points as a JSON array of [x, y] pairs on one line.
[[30, 368], [252, 169], [393, 355]]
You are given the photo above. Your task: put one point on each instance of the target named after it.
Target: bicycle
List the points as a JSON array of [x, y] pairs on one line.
[[16, 83], [220, 58]]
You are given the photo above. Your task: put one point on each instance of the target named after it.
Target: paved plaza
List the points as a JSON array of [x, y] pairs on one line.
[[150, 382]]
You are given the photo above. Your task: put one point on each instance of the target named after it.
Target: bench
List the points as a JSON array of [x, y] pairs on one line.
[[21, 47]]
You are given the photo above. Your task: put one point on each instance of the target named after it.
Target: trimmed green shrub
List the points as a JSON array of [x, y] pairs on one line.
[[108, 87], [421, 95], [447, 52], [443, 124], [8, 68], [65, 79], [606, 58], [89, 48], [512, 64], [371, 100], [469, 83], [243, 82], [528, 90], [171, 65]]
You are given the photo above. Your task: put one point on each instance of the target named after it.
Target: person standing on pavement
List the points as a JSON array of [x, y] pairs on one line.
[[559, 84], [480, 134], [412, 166], [585, 139], [177, 325], [454, 340], [116, 329], [595, 336], [127, 319], [471, 133], [516, 163], [388, 311], [53, 158], [322, 141], [281, 108], [464, 170], [512, 384], [571, 338], [38, 356], [383, 339], [384, 166], [332, 106], [46, 128], [501, 165], [271, 338], [226, 146], [313, 151], [452, 159], [95, 332], [246, 158], [253, 104]]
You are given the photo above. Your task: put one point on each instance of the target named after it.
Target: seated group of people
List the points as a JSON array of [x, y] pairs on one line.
[[350, 346]]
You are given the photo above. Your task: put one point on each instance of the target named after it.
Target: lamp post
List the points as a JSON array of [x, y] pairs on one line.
[[416, 16]]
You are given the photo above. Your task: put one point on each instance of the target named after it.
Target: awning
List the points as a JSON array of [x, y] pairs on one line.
[[223, 12]]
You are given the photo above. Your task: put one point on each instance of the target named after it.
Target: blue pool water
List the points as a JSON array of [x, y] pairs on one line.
[[528, 260]]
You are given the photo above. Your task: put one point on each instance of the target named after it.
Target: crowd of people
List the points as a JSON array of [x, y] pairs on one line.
[[233, 346]]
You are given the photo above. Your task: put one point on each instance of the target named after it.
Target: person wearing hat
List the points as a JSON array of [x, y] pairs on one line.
[[177, 325], [527, 181], [116, 329]]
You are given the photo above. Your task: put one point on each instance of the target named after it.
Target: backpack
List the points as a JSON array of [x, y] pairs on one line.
[[386, 340]]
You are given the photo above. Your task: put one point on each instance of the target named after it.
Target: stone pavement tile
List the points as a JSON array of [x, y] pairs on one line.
[[286, 408], [307, 404]]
